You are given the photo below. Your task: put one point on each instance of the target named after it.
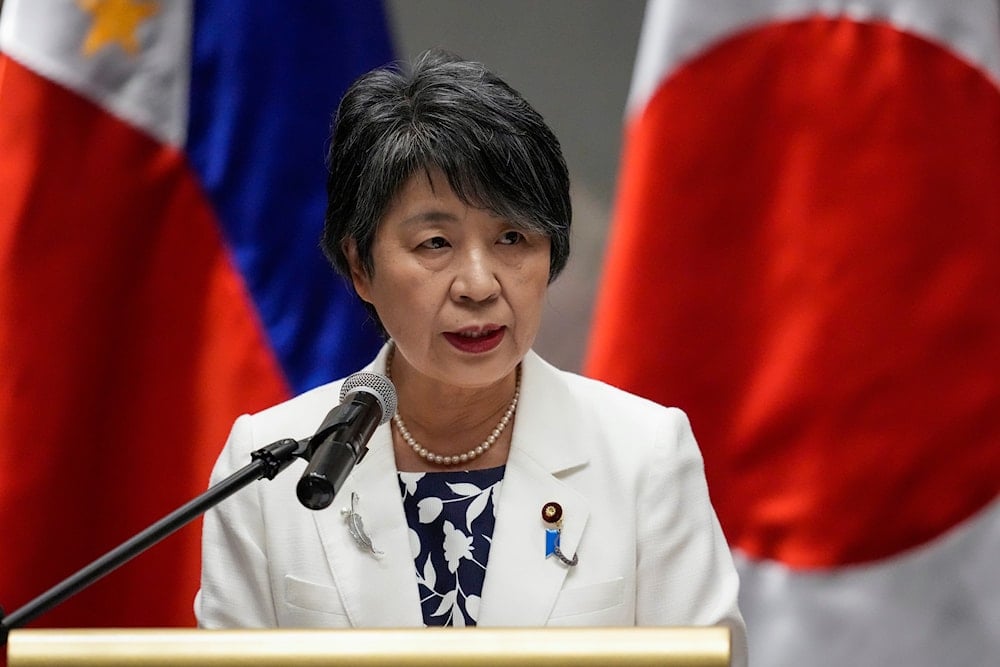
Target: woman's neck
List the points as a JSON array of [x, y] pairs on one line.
[[449, 420]]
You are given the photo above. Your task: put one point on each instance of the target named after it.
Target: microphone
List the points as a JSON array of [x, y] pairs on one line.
[[367, 400]]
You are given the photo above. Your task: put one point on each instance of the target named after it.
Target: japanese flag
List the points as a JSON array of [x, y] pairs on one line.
[[805, 257]]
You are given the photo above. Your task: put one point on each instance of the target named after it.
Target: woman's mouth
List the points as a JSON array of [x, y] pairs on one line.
[[476, 340]]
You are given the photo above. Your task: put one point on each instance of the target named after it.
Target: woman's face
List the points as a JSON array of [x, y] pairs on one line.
[[458, 289]]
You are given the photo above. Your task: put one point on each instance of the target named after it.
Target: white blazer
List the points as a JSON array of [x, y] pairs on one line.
[[627, 473]]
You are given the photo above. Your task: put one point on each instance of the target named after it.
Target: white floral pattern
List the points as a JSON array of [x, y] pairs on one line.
[[451, 516]]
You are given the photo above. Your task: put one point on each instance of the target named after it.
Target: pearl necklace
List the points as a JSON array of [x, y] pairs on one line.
[[455, 459]]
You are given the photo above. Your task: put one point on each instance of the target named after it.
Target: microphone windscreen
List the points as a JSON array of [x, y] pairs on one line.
[[378, 386]]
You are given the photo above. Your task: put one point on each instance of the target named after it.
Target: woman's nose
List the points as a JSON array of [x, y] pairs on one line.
[[475, 278]]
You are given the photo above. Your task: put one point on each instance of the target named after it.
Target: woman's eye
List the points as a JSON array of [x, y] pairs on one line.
[[511, 238], [434, 243]]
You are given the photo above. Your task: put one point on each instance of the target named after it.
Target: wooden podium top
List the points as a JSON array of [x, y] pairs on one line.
[[417, 647]]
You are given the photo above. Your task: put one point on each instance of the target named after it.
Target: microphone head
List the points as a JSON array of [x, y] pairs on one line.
[[378, 386]]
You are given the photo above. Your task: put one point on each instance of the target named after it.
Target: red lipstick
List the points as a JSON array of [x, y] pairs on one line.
[[476, 340]]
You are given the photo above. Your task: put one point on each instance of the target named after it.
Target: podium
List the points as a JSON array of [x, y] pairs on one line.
[[416, 647]]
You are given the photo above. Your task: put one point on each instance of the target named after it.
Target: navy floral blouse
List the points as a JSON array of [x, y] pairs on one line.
[[451, 515]]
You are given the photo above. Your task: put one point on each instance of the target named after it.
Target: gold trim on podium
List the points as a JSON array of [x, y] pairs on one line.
[[418, 647]]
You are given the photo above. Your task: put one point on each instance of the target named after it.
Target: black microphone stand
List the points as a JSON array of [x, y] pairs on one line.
[[266, 462]]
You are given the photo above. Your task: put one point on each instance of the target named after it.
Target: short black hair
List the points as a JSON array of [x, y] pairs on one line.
[[495, 150]]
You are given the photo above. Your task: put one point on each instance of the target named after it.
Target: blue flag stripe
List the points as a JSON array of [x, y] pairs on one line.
[[265, 82]]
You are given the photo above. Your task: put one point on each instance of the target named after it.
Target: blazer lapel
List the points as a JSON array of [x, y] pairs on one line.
[[376, 591], [521, 584]]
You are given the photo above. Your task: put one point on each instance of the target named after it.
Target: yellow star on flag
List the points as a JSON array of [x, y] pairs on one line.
[[116, 22]]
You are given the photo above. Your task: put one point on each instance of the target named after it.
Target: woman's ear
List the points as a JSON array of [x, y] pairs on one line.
[[362, 283]]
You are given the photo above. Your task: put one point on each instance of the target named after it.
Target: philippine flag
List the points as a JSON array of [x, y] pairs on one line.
[[806, 257], [161, 201]]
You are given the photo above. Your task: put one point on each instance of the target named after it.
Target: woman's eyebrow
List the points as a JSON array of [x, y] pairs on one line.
[[431, 215]]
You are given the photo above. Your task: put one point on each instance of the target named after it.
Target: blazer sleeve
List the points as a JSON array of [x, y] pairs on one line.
[[685, 572], [235, 590]]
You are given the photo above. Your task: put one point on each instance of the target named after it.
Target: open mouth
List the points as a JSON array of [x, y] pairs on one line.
[[476, 340]]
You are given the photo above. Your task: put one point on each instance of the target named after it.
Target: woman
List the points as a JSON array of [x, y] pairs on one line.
[[504, 492]]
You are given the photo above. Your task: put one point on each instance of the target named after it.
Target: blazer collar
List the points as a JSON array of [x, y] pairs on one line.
[[376, 590], [521, 584], [547, 423]]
